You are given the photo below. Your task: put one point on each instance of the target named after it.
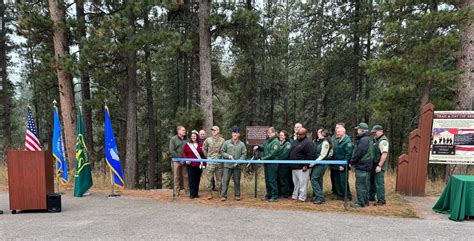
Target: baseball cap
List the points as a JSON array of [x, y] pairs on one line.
[[376, 128], [215, 128], [235, 130], [362, 126]]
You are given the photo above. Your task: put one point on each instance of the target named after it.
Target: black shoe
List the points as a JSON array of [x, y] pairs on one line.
[[1, 211], [379, 204], [372, 199], [318, 202]]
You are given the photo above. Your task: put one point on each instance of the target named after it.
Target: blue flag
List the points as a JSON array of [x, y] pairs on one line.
[[111, 153], [58, 150]]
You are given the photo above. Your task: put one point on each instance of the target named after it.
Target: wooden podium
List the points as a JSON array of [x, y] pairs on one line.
[[30, 179]]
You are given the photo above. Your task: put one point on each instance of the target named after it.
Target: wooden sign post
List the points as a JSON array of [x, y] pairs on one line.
[[412, 169]]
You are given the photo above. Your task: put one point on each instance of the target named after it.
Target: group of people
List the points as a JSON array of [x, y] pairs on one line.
[[218, 175], [368, 156]]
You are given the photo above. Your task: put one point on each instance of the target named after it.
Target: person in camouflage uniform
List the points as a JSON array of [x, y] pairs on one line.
[[211, 149]]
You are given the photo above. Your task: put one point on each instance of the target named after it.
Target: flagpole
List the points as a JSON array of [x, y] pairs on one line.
[[112, 193], [58, 185], [112, 182]]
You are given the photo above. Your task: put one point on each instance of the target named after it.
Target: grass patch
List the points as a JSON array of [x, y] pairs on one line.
[[408, 213]]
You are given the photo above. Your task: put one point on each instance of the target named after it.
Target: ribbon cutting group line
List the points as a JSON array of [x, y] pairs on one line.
[[336, 162]]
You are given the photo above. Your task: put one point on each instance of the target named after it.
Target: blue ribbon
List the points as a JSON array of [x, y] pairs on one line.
[[337, 162]]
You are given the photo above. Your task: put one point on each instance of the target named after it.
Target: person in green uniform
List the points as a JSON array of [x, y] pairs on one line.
[[284, 170], [180, 173], [322, 150], [362, 160], [342, 147], [232, 149], [270, 151], [377, 178], [333, 173], [211, 149]]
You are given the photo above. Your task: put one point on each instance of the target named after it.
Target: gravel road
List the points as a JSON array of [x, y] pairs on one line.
[[96, 217]]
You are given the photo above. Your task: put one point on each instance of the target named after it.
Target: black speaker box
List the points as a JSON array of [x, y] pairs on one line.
[[54, 203]]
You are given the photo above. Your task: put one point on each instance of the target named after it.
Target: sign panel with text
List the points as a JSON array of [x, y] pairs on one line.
[[256, 135], [452, 137]]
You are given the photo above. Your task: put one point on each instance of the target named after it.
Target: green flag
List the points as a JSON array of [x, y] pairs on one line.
[[82, 177]]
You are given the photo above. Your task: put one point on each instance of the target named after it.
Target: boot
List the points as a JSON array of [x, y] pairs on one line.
[[209, 195]]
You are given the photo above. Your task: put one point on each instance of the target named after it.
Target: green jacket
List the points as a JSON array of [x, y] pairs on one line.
[[270, 148], [342, 149], [237, 150], [212, 147], [176, 146], [283, 151]]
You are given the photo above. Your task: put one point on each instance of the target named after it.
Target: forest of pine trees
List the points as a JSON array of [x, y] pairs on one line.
[[228, 63]]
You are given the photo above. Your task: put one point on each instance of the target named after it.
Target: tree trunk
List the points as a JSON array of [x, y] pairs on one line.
[[355, 65], [427, 85], [85, 81], [465, 81], [131, 146], [66, 88], [466, 63], [150, 115], [368, 87], [5, 86], [205, 64], [425, 93], [317, 77]]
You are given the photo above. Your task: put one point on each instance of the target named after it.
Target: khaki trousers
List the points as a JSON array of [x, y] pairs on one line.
[[180, 173]]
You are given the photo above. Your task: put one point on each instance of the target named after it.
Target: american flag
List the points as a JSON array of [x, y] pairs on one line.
[[31, 141]]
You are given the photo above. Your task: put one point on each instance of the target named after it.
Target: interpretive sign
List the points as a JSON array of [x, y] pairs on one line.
[[452, 137], [256, 135]]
